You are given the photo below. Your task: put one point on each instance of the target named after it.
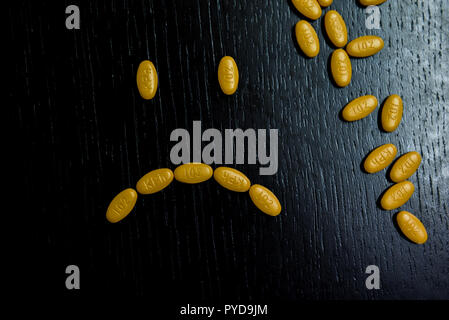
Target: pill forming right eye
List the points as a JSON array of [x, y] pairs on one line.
[[228, 75], [371, 2], [380, 158], [341, 68], [359, 108], [147, 79], [397, 195], [265, 200], [121, 205], [411, 227], [154, 181], [309, 8], [193, 173], [405, 166], [392, 113], [365, 46], [336, 28], [325, 3], [232, 179], [307, 39]]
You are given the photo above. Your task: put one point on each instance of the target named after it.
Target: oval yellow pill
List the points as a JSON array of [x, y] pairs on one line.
[[371, 2], [380, 158], [154, 181], [307, 39], [193, 172], [325, 3], [265, 200], [341, 68], [392, 113], [405, 166], [336, 28], [121, 205], [228, 75], [232, 179], [365, 46], [309, 8], [397, 195], [412, 227], [147, 80], [359, 108]]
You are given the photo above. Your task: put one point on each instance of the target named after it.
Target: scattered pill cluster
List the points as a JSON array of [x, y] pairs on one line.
[[381, 157], [192, 173], [335, 26], [391, 114]]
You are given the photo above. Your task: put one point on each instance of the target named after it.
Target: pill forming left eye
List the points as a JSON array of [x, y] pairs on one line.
[[147, 80]]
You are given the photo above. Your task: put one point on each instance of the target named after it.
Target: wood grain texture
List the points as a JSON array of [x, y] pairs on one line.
[[88, 135]]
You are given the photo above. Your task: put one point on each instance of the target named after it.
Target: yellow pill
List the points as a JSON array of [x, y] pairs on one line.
[[121, 205], [228, 75], [265, 200], [325, 3], [411, 227], [341, 68], [371, 2], [392, 113], [309, 8], [154, 181], [359, 108], [397, 195], [336, 28], [380, 158], [405, 166], [365, 46], [147, 79], [193, 173], [307, 39], [232, 179]]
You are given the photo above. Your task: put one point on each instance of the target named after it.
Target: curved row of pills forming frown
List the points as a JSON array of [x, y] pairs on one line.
[[192, 173], [336, 30], [147, 78]]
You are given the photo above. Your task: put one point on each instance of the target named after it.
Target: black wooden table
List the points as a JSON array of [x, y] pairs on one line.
[[89, 134]]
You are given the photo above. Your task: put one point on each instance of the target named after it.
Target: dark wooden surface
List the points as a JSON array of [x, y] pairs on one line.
[[88, 135]]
